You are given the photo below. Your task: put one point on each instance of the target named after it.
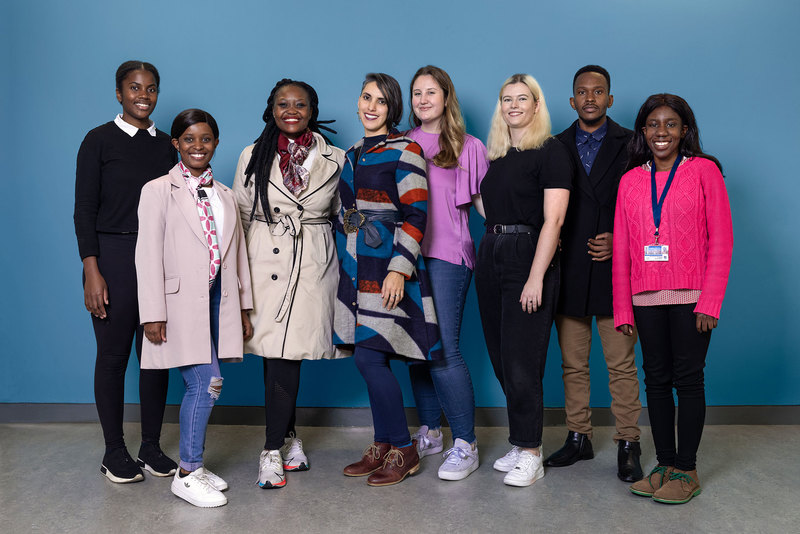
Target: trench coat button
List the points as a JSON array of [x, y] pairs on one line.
[[274, 276], [224, 265], [301, 208], [275, 250], [224, 293], [276, 209]]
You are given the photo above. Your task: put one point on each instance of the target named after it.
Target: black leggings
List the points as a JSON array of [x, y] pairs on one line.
[[281, 384], [674, 355], [115, 334]]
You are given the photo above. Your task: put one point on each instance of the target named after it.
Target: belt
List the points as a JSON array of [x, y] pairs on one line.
[[354, 219], [511, 229]]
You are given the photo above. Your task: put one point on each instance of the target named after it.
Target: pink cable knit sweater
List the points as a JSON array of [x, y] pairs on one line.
[[695, 223]]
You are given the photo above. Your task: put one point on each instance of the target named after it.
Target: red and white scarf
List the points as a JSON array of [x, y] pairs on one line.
[[292, 155], [195, 184]]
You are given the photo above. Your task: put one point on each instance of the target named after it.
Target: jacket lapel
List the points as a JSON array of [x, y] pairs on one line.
[[186, 204], [581, 178], [226, 196], [612, 144]]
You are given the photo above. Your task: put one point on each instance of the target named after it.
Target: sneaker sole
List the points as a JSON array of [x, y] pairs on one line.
[[302, 467], [501, 468], [641, 493], [149, 469], [270, 485], [682, 501], [458, 475], [118, 480], [199, 504], [522, 483], [411, 471]]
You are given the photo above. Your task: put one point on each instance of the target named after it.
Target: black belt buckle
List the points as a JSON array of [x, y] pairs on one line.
[[497, 229]]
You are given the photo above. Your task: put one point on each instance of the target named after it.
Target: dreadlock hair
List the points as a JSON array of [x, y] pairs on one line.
[[266, 146], [639, 152], [451, 140]]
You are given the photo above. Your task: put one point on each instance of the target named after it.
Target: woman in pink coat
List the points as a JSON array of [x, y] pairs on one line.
[[194, 290]]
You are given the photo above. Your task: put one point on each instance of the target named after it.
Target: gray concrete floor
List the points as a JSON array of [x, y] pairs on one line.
[[50, 482]]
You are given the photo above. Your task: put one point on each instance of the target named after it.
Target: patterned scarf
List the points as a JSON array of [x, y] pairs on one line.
[[195, 185], [292, 155]]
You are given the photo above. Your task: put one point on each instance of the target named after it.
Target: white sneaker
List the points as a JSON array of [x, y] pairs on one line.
[[216, 480], [527, 471], [428, 441], [294, 459], [459, 461], [270, 470], [507, 462], [195, 488]]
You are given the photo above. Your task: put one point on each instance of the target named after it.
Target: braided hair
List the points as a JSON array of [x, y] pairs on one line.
[[266, 145]]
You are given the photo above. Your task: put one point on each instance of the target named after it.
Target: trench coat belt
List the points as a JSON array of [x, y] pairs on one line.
[[292, 225], [363, 219], [511, 229]]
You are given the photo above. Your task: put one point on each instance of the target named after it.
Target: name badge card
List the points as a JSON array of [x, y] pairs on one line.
[[656, 253]]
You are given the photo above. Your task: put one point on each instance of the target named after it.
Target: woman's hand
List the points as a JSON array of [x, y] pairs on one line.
[[626, 329], [705, 323], [247, 326], [392, 290], [531, 298], [95, 290], [601, 247], [156, 333]]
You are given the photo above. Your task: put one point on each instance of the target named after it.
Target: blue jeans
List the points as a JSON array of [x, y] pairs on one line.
[[203, 385], [445, 385], [385, 397]]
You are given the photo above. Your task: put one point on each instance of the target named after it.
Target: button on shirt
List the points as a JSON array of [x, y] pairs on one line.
[[588, 145]]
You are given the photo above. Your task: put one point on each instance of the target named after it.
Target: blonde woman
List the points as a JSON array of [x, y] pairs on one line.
[[525, 195], [456, 163]]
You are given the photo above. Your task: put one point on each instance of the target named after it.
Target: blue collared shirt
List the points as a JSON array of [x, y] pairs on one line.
[[588, 144]]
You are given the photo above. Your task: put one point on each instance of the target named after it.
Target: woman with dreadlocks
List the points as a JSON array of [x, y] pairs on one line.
[[286, 189]]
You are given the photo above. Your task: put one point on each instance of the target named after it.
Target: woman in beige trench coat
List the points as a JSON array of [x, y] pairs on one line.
[[286, 189]]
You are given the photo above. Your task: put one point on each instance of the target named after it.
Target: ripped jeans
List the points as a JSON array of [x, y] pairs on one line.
[[203, 384]]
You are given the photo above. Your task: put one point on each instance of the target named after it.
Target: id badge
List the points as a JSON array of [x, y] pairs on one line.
[[656, 253]]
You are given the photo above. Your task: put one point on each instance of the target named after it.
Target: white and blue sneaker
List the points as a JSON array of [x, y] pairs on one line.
[[459, 461], [270, 470], [528, 470], [428, 441], [294, 459]]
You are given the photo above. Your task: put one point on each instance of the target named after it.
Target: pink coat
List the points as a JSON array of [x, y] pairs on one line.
[[695, 223], [172, 274]]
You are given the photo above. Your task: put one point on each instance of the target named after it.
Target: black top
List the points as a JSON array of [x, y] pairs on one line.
[[513, 188], [111, 170]]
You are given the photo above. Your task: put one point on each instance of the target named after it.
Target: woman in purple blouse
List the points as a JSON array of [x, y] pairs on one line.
[[456, 163]]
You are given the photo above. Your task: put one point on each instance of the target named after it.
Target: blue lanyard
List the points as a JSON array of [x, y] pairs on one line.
[[658, 204]]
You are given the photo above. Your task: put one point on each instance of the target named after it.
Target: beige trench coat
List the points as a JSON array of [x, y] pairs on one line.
[[293, 262], [172, 275]]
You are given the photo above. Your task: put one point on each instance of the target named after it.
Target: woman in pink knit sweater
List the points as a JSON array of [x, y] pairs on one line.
[[673, 241]]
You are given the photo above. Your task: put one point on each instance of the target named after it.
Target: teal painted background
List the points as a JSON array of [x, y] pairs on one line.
[[734, 61]]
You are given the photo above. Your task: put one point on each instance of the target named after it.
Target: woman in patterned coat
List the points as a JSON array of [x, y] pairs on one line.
[[384, 308]]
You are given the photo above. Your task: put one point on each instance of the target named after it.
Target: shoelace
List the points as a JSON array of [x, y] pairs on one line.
[[525, 460], [683, 477], [657, 470], [204, 482], [514, 452], [373, 451], [423, 442], [395, 457], [455, 455]]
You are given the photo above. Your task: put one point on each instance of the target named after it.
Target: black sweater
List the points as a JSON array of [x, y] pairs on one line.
[[111, 170]]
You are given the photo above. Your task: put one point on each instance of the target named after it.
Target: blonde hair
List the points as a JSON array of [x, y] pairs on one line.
[[451, 138], [538, 132]]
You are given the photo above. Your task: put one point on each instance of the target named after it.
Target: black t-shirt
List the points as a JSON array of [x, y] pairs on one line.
[[112, 168], [513, 188]]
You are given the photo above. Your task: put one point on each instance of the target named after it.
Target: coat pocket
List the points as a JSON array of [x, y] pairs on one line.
[[172, 285]]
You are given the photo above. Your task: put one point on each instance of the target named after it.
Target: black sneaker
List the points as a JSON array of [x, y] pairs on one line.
[[119, 467], [152, 458]]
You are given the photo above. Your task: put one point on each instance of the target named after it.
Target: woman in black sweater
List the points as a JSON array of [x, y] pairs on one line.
[[114, 161]]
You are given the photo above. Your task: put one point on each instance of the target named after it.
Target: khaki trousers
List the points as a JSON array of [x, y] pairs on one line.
[[575, 339]]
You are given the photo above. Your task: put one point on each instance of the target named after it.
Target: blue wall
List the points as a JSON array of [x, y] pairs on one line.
[[733, 61]]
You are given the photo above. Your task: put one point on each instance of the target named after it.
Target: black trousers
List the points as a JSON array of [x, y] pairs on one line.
[[281, 384], [516, 340], [115, 334], [674, 356]]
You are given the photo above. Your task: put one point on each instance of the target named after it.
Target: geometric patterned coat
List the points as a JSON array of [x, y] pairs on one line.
[[389, 176]]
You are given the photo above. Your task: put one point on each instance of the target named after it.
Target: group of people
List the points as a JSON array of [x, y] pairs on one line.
[[316, 252]]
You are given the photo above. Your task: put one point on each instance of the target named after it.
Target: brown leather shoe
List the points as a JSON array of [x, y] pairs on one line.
[[398, 463], [370, 462]]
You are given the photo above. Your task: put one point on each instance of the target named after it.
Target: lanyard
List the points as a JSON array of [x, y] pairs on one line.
[[658, 204]]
